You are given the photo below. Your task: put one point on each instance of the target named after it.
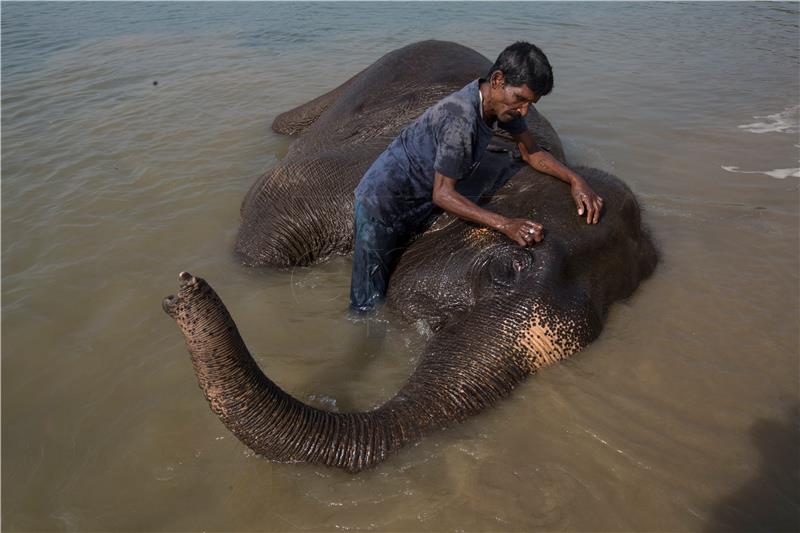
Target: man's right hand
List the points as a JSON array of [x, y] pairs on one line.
[[522, 230]]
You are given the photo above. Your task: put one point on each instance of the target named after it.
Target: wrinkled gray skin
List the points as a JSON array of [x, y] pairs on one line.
[[499, 311], [450, 267], [343, 132]]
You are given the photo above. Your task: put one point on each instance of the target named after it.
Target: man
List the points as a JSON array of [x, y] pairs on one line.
[[400, 193]]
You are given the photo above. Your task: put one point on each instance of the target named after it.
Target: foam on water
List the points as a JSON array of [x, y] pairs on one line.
[[787, 121], [779, 173]]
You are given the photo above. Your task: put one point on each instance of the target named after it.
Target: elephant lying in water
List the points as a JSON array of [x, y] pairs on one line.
[[500, 311], [301, 211]]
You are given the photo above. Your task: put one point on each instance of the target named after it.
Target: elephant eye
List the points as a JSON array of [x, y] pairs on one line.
[[502, 269]]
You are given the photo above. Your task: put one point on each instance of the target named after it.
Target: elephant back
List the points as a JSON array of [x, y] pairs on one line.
[[300, 212]]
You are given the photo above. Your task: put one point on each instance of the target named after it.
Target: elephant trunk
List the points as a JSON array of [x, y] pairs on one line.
[[466, 367], [265, 418]]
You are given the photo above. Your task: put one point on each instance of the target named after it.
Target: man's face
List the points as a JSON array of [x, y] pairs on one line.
[[510, 101]]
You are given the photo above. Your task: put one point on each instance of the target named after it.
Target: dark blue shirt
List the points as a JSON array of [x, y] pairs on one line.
[[449, 138]]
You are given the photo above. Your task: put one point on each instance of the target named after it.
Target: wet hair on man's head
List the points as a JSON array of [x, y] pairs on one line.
[[525, 64]]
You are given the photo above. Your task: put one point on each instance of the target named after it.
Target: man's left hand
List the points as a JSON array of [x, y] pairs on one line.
[[587, 201], [585, 198]]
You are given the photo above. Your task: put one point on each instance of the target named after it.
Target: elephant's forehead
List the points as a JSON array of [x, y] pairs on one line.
[[441, 271]]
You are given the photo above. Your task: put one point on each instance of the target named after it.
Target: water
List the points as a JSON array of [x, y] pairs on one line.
[[682, 416]]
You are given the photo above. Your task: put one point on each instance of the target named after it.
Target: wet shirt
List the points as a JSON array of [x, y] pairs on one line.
[[450, 138]]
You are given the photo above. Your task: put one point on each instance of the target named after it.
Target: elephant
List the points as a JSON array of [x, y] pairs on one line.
[[499, 311], [300, 212]]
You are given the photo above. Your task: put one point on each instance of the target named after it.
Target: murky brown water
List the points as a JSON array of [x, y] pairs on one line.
[[682, 416]]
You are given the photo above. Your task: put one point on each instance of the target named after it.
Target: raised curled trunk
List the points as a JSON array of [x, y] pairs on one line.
[[271, 422], [464, 369]]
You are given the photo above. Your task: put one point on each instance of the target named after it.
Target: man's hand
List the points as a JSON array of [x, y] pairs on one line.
[[587, 201], [585, 198], [522, 230]]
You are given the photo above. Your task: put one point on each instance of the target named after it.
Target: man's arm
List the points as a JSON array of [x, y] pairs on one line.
[[522, 230], [544, 162]]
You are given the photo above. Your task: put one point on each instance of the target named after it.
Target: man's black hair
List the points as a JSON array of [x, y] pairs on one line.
[[525, 64]]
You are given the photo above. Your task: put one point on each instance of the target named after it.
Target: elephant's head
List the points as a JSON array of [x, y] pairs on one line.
[[454, 265]]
